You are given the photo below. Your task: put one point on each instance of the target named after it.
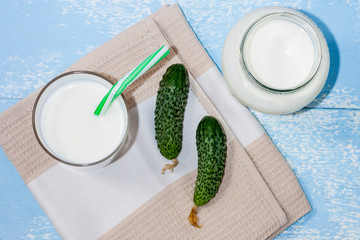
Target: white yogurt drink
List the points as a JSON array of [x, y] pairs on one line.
[[275, 60], [65, 123], [279, 53]]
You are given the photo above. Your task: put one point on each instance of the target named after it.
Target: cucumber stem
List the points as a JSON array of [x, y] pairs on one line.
[[170, 166], [192, 217]]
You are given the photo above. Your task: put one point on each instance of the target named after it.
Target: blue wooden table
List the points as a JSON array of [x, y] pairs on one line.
[[41, 38]]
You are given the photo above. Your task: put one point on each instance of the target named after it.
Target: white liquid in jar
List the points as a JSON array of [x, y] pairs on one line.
[[72, 131], [279, 54]]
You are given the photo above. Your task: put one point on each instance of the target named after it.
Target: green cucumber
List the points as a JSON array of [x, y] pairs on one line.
[[211, 147], [171, 101]]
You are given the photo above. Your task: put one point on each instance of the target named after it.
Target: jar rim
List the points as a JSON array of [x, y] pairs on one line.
[[303, 24], [254, 96]]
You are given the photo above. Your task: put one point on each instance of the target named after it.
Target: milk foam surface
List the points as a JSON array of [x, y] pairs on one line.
[[72, 131], [279, 54]]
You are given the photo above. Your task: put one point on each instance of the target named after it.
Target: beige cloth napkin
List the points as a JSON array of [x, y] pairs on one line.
[[259, 197]]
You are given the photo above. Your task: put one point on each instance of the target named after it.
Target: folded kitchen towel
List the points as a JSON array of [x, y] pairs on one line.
[[259, 197]]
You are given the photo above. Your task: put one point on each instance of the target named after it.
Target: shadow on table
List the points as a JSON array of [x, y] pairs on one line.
[[334, 62]]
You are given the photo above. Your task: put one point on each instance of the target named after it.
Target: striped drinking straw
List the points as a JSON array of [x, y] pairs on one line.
[[130, 77]]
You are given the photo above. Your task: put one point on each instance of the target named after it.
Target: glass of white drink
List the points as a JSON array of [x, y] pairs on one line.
[[66, 127]]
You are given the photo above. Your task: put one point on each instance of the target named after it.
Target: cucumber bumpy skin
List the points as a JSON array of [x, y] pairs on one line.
[[171, 101], [211, 147]]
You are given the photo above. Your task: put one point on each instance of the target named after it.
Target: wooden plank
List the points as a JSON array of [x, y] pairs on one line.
[[41, 39], [323, 148]]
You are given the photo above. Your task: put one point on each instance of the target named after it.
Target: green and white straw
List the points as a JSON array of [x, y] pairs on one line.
[[130, 77]]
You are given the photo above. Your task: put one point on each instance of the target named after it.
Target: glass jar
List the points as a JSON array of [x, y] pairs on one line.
[[275, 60]]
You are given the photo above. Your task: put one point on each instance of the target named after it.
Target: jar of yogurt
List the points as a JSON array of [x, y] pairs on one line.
[[275, 60], [66, 127]]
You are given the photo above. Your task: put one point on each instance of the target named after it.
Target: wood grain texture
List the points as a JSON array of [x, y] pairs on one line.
[[323, 147], [42, 38]]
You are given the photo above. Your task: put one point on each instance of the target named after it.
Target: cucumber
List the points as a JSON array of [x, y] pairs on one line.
[[211, 147], [171, 101]]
